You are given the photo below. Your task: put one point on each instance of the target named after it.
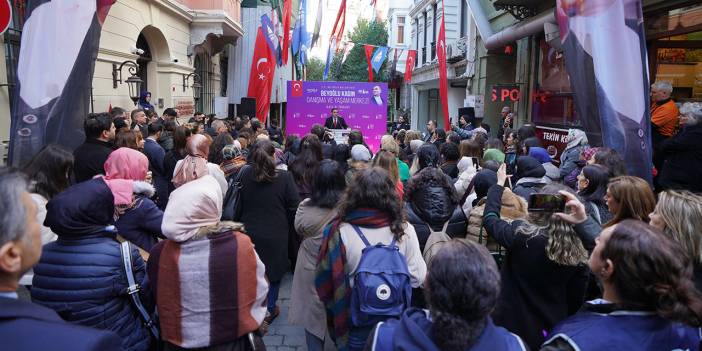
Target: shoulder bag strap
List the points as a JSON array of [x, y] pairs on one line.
[[133, 290]]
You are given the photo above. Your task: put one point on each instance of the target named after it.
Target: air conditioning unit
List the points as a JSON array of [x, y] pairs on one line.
[[455, 52]]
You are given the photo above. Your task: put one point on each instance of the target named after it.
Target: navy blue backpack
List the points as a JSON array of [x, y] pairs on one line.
[[382, 286]]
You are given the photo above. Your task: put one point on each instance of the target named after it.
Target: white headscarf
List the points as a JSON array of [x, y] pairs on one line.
[[576, 137], [195, 204]]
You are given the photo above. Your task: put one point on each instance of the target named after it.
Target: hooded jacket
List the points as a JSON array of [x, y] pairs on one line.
[[513, 207], [80, 275], [413, 332], [141, 222], [531, 176], [431, 205], [539, 153]]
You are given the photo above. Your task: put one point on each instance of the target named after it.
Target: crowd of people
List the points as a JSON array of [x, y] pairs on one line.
[[159, 235]]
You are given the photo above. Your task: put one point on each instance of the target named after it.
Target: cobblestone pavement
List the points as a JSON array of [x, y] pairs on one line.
[[281, 335]]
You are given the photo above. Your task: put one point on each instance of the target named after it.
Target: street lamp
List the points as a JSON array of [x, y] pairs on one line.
[[133, 82], [196, 84]]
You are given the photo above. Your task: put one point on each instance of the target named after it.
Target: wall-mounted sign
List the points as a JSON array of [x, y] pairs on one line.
[[504, 93]]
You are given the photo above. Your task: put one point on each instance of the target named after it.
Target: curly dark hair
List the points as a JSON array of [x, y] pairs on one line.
[[373, 188], [430, 177], [462, 287], [652, 272]]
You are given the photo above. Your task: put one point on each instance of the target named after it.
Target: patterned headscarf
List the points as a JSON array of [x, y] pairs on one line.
[[194, 165]]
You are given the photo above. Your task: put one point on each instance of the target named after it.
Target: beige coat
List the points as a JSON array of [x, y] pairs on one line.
[[306, 309], [513, 207]]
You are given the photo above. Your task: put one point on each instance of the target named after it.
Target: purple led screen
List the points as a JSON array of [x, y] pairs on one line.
[[362, 105]]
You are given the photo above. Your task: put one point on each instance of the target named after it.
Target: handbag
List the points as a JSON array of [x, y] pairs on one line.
[[231, 209], [133, 291]]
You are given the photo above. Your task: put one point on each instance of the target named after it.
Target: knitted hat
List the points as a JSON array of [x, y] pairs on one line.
[[360, 153]]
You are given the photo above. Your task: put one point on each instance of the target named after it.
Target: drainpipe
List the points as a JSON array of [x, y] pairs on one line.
[[510, 34]]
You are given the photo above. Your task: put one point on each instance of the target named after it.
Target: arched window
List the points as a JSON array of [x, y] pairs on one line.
[[143, 61]]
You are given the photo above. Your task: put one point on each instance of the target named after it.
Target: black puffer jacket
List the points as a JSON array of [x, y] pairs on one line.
[[432, 206]]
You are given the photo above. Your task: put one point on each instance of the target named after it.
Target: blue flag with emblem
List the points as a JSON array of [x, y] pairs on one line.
[[301, 38], [379, 57], [330, 57]]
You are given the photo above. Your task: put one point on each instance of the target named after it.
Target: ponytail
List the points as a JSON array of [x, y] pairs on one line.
[[263, 163], [452, 332]]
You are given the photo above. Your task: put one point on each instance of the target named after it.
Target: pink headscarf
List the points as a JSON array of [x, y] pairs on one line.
[[194, 165], [122, 168]]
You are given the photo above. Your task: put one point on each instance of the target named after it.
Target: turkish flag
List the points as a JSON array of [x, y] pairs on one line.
[[261, 79], [409, 66], [443, 77], [287, 12], [296, 88], [369, 55]]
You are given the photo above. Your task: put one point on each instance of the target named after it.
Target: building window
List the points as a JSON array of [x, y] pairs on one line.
[[464, 19], [553, 97], [203, 68], [223, 68], [416, 34], [435, 34], [424, 44], [401, 30]]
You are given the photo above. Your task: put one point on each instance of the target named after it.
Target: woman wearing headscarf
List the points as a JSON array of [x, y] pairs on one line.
[[577, 142], [208, 281], [81, 275], [195, 164], [140, 221], [234, 159], [145, 101]]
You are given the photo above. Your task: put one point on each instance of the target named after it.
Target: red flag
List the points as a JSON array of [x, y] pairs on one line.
[[261, 79], [369, 55], [443, 77], [409, 66], [287, 11]]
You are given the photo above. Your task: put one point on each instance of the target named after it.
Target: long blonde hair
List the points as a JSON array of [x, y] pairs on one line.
[[681, 212], [564, 246]]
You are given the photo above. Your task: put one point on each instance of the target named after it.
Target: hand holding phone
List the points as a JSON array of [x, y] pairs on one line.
[[546, 203], [576, 213]]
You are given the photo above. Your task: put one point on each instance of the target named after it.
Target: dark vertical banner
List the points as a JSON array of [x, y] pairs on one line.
[[605, 54], [54, 74]]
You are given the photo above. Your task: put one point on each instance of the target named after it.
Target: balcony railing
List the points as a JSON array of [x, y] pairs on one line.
[[433, 51]]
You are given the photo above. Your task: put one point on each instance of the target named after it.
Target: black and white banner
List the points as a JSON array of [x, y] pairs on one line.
[[59, 46], [605, 54]]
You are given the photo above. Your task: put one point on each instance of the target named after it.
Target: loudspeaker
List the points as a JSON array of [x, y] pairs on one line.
[[231, 111], [247, 107], [467, 111]]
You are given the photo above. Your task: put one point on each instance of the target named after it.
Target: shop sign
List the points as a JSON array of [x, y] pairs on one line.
[[554, 140], [505, 93], [186, 107]]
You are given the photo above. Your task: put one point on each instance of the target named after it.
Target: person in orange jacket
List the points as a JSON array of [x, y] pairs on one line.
[[664, 118]]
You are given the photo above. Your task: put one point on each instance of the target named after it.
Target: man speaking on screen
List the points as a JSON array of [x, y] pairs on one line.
[[335, 121]]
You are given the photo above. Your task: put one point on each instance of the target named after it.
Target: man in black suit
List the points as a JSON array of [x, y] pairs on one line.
[[25, 326], [335, 121]]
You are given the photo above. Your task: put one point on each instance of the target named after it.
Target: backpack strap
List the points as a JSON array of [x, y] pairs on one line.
[[365, 241], [133, 290], [443, 228]]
